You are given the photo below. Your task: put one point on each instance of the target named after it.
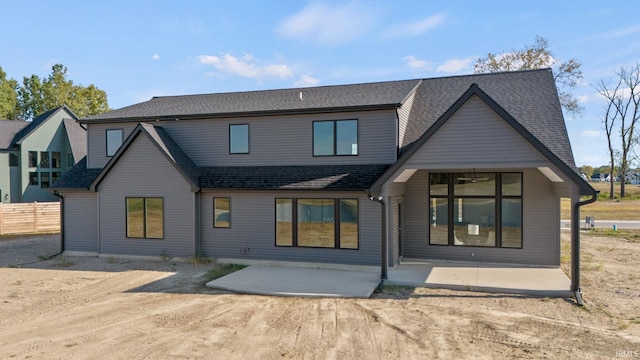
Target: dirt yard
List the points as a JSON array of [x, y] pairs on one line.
[[91, 308]]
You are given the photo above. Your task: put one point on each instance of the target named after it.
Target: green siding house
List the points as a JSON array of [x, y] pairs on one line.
[[33, 155]]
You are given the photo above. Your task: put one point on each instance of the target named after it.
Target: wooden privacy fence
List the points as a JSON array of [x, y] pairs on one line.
[[29, 218]]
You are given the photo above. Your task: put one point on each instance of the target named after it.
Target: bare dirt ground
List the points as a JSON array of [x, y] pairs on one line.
[[97, 308]]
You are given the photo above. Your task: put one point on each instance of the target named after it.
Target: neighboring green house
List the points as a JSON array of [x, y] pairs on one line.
[[33, 155]]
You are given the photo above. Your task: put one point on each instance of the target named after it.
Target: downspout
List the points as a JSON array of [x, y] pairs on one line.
[[383, 239], [57, 193], [575, 248]]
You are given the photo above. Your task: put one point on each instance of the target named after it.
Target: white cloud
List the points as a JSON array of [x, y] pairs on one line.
[[246, 66], [155, 57], [417, 64], [328, 25], [590, 133], [455, 65], [416, 28], [307, 81]]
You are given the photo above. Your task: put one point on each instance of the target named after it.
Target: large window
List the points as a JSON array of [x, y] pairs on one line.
[[114, 140], [476, 209], [33, 159], [239, 139], [45, 180], [322, 223], [145, 217], [55, 159], [222, 212], [338, 137], [33, 178], [44, 159]]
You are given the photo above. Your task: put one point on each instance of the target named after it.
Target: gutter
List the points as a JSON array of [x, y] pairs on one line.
[[575, 247], [383, 240]]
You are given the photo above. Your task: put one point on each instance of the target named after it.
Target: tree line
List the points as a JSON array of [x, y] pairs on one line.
[[621, 114], [34, 96]]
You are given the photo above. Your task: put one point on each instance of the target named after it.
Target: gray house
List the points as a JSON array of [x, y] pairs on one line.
[[466, 168], [35, 154]]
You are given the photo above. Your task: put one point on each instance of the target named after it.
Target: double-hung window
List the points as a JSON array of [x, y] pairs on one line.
[[145, 217], [239, 139], [335, 137], [475, 209], [114, 140]]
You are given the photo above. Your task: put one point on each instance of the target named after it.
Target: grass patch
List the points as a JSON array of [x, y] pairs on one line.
[[112, 260], [565, 252], [64, 263], [221, 270], [199, 259], [164, 256], [629, 234]]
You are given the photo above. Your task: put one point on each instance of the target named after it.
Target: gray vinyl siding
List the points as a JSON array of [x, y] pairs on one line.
[[81, 221], [144, 172], [252, 231], [273, 140], [541, 226], [403, 117], [97, 142], [476, 137]]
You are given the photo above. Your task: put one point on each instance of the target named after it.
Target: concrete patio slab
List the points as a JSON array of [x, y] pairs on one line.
[[511, 279], [302, 282]]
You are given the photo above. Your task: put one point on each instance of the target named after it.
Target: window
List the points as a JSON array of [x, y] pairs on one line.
[[55, 159], [45, 181], [338, 137], [222, 212], [55, 176], [33, 159], [13, 160], [239, 139], [33, 178], [114, 140], [44, 159], [145, 217], [476, 209], [321, 223]]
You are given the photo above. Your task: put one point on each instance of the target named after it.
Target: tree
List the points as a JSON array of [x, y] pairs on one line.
[[36, 96], [587, 170], [8, 97], [621, 116], [567, 74]]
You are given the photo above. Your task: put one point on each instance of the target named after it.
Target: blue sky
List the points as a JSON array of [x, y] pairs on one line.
[[138, 49]]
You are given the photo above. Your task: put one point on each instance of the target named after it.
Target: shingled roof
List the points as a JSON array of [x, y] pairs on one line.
[[329, 177], [388, 94], [530, 97], [78, 177], [8, 131]]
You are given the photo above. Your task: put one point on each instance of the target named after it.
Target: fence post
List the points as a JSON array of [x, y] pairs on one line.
[[35, 217]]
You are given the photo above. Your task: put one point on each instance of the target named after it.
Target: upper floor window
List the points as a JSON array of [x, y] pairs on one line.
[[44, 159], [239, 139], [55, 159], [33, 159], [335, 137], [13, 160], [114, 140]]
